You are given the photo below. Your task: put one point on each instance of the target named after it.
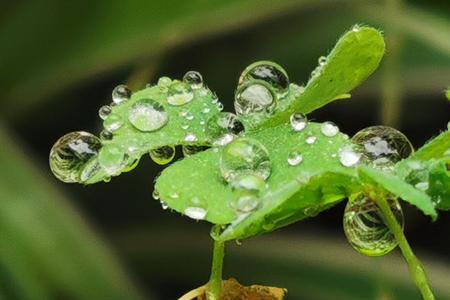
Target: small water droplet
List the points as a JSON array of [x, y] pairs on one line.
[[219, 106], [196, 213], [311, 140], [245, 156], [155, 194], [106, 135], [329, 129], [348, 157], [269, 72], [174, 195], [164, 205], [189, 116], [104, 111], [222, 128], [294, 158], [184, 126], [298, 121], [322, 60], [382, 146], [148, 115], [253, 97], [113, 122], [365, 228], [423, 186], [190, 137], [121, 93], [206, 110], [112, 159], [164, 83], [163, 155], [356, 28], [180, 93], [70, 154], [194, 79]]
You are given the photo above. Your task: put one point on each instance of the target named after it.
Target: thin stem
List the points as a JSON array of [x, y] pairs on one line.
[[215, 281], [415, 266]]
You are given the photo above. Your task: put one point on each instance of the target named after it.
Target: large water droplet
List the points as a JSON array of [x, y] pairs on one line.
[[365, 228], [382, 146], [294, 158], [269, 72], [298, 121], [71, 153], [253, 97], [348, 157], [148, 115], [180, 93], [196, 213], [163, 155], [112, 159], [121, 93], [104, 111], [329, 129], [194, 79], [222, 128], [113, 122], [245, 156]]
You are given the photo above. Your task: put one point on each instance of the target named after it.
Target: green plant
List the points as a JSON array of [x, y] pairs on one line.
[[269, 166]]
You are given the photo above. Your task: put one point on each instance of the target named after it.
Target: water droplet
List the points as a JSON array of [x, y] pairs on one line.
[[196, 213], [356, 28], [382, 146], [155, 194], [222, 128], [184, 126], [329, 129], [219, 106], [189, 150], [365, 228], [190, 137], [189, 116], [311, 140], [106, 135], [164, 205], [245, 156], [113, 122], [423, 186], [206, 110], [253, 97], [104, 111], [163, 155], [294, 158], [194, 79], [348, 157], [148, 115], [112, 159], [164, 83], [90, 169], [298, 121], [180, 93], [121, 93], [322, 60], [269, 72], [71, 153]]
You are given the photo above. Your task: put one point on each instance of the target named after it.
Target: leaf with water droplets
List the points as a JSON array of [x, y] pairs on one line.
[[356, 55], [292, 192], [147, 122], [397, 186]]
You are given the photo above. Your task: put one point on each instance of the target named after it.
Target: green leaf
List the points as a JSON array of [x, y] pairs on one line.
[[45, 246], [190, 118], [398, 187], [356, 55], [439, 185], [292, 192]]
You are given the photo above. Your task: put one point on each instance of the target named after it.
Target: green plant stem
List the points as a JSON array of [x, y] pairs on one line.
[[415, 266], [215, 281]]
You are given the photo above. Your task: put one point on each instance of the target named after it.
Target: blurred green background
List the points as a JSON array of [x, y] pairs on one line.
[[59, 61]]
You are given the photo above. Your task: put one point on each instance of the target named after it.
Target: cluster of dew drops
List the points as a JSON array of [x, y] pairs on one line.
[[244, 162]]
